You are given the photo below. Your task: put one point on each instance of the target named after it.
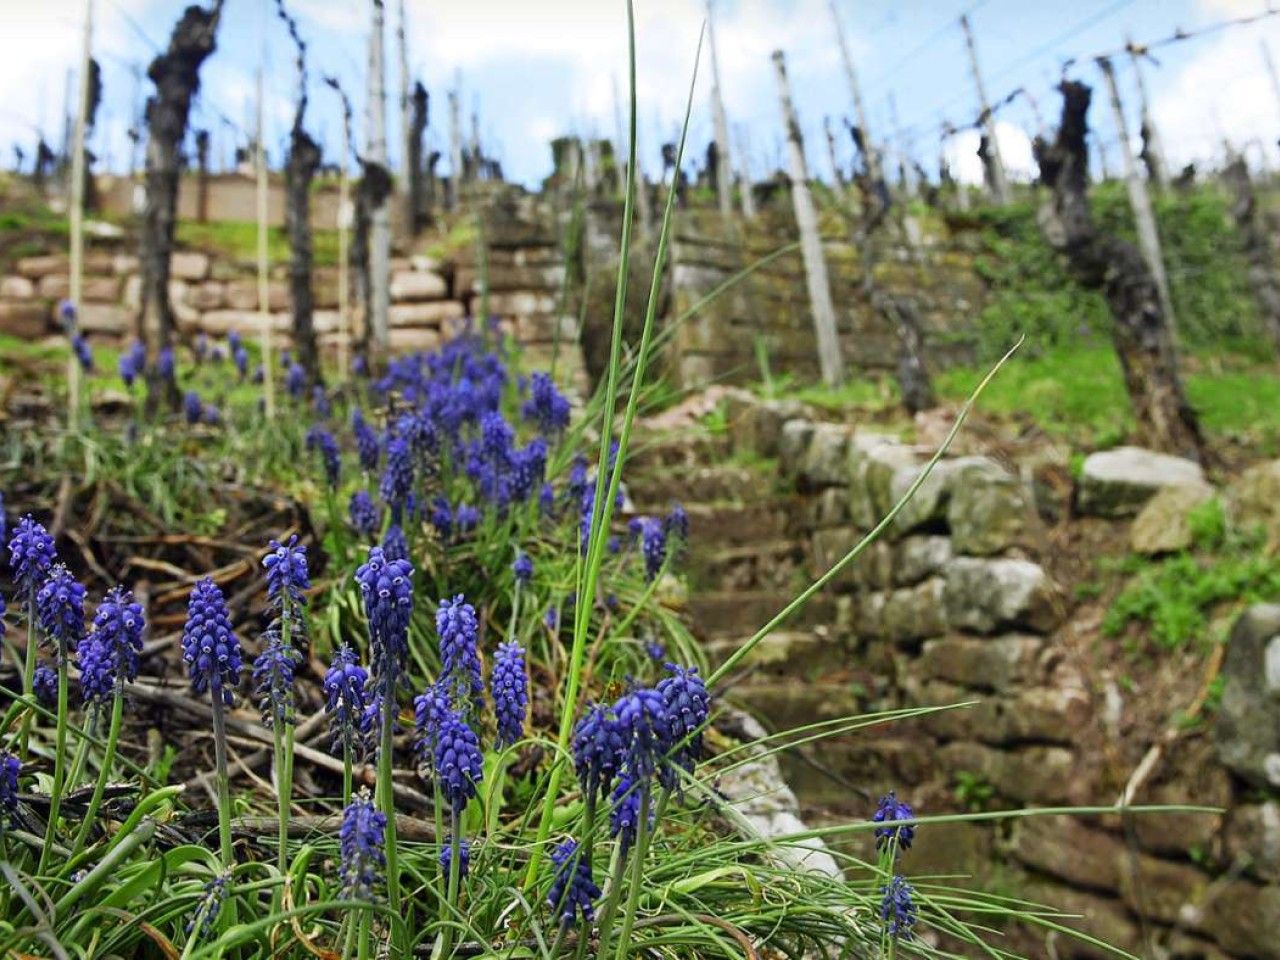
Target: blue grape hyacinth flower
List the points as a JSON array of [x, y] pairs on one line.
[[346, 699], [688, 706], [889, 810], [10, 770], [459, 631], [523, 569], [510, 691], [31, 554], [368, 449], [45, 684], [361, 840], [97, 672], [624, 818], [287, 575], [209, 646], [321, 441], [645, 730], [273, 675], [459, 767], [464, 856], [60, 608], [897, 907], [573, 891], [118, 625], [365, 518], [386, 587], [598, 750]]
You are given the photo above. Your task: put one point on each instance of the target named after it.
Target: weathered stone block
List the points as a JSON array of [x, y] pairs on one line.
[[988, 595], [218, 323], [874, 459], [430, 314], [545, 328], [104, 318], [242, 294], [515, 302], [757, 427], [792, 444], [929, 505], [408, 339], [916, 558], [411, 285], [1162, 525], [26, 319], [1254, 499], [210, 295], [828, 508], [189, 265], [1116, 483], [1035, 715], [1037, 774], [33, 268], [123, 264], [1252, 839], [825, 460], [915, 613], [54, 286], [989, 511], [1245, 919], [1247, 727], [16, 288], [998, 663]]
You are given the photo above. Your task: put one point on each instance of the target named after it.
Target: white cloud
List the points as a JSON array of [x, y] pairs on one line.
[[1221, 92], [1015, 150]]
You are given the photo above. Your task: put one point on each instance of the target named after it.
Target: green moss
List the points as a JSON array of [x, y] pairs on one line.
[[238, 239]]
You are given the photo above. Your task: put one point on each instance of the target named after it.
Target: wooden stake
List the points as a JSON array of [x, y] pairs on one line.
[[724, 169], [999, 184], [75, 215], [455, 143], [380, 219], [1152, 145], [815, 264], [406, 126], [745, 188], [264, 290], [344, 267], [1139, 199], [855, 92]]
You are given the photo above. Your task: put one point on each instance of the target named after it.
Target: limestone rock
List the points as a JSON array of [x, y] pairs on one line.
[[516, 302], [1252, 839], [189, 265], [930, 505], [914, 613], [1162, 525], [1254, 499], [757, 427], [874, 460], [989, 511], [825, 461], [987, 595], [210, 295], [429, 314], [917, 558], [1116, 483], [243, 295], [417, 285], [16, 288], [1247, 727], [1039, 774], [413, 338], [995, 664], [26, 319], [1245, 919], [104, 318], [793, 441], [763, 804], [33, 268]]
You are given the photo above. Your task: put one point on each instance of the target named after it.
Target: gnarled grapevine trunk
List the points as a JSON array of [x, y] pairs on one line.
[[176, 75], [300, 168], [1258, 247], [1102, 262]]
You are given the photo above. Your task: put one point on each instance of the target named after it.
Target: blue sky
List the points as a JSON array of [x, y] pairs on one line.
[[532, 70]]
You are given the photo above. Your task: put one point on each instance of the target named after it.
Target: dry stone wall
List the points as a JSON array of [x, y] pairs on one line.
[[771, 306], [431, 300], [955, 604]]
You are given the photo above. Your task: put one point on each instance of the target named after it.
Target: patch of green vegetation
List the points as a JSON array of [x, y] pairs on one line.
[[238, 239], [973, 791], [1175, 598], [857, 393], [460, 240]]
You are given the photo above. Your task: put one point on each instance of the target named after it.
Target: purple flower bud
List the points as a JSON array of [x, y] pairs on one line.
[[446, 856], [10, 769], [347, 699], [45, 684], [192, 408], [287, 576], [118, 625], [897, 907], [688, 706], [645, 729], [889, 810], [367, 446], [459, 632], [523, 569], [387, 589], [273, 673], [320, 440], [31, 554], [365, 517], [598, 750], [459, 767], [60, 608]]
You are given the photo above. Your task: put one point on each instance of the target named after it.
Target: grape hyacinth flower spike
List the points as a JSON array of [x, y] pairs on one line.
[[31, 554], [10, 769], [897, 907], [365, 519], [361, 841], [573, 891], [459, 630], [688, 706], [60, 609], [645, 729], [45, 685], [212, 653], [346, 701], [459, 767], [510, 691], [523, 569], [321, 441], [889, 810], [386, 586], [287, 575], [273, 675], [598, 750]]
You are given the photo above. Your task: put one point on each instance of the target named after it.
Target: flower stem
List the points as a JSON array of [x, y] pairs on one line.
[[29, 673], [347, 773], [386, 790], [104, 772], [455, 873], [637, 875], [617, 871], [59, 758], [222, 779]]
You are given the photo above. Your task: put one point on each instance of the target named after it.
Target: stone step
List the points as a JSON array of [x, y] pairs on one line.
[[656, 489], [768, 565], [690, 448], [732, 613]]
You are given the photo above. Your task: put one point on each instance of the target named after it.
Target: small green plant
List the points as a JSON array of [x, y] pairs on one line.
[[973, 791]]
